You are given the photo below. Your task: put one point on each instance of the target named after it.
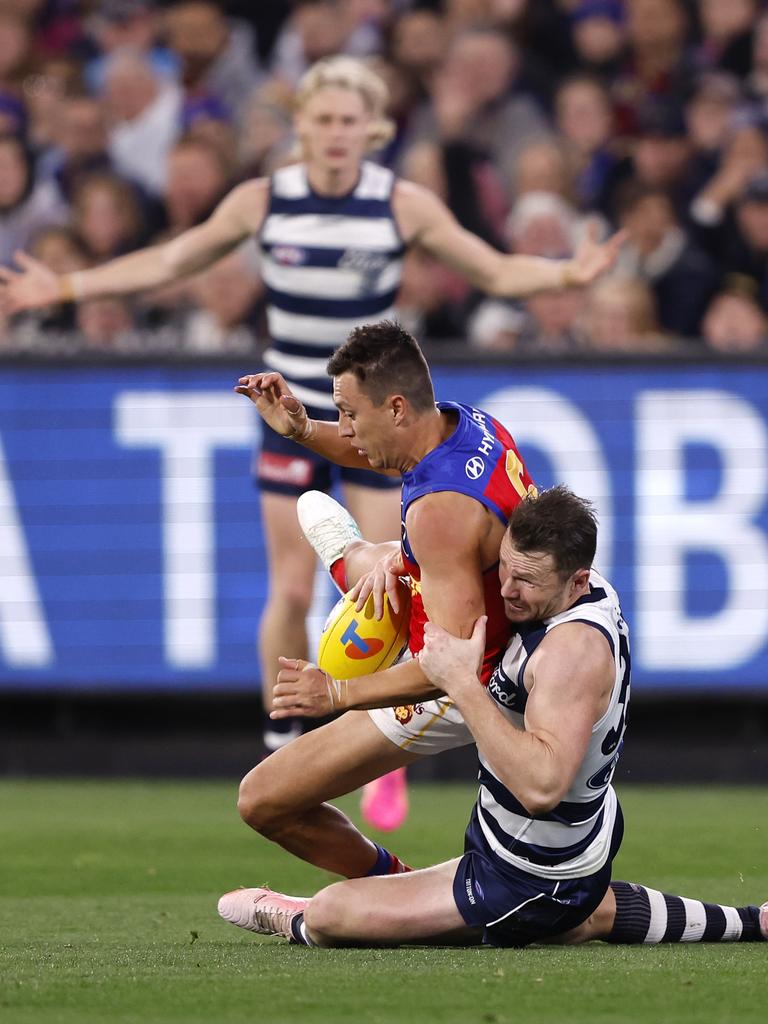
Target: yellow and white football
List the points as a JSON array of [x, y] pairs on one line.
[[355, 643]]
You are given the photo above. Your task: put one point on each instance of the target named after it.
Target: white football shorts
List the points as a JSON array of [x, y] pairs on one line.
[[423, 728]]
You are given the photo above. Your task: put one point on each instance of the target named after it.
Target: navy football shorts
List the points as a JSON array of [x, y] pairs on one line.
[[283, 467], [515, 908]]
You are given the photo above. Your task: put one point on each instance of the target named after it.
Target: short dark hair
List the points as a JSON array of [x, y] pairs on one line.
[[560, 524], [386, 360]]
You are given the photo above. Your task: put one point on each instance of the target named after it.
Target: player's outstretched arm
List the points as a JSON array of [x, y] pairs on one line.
[[285, 414], [238, 215], [427, 222]]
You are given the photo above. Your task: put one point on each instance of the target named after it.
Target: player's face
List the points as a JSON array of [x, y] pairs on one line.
[[365, 425], [531, 586], [333, 128]]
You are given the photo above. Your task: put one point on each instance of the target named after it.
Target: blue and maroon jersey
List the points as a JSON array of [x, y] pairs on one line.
[[479, 459]]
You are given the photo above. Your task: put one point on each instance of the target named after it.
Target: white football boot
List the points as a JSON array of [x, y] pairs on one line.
[[261, 910], [327, 525], [764, 920]]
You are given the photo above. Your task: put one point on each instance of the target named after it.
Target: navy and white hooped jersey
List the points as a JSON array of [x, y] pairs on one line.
[[572, 840], [330, 264]]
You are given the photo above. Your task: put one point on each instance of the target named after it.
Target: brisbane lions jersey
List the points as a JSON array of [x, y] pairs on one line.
[[479, 459]]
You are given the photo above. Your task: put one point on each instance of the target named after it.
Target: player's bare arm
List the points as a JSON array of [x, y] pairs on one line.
[[236, 217], [569, 680], [286, 415], [425, 221], [448, 533]]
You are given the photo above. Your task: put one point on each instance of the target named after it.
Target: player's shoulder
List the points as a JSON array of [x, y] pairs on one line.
[[445, 521], [415, 206]]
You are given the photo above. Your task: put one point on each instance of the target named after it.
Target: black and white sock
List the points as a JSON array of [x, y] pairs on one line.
[[299, 932], [648, 916], [280, 731]]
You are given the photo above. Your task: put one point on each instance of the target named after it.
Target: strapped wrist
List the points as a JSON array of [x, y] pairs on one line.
[[569, 277], [305, 434], [70, 287], [338, 692]]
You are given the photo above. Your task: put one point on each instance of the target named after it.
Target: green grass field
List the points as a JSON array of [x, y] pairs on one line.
[[108, 914]]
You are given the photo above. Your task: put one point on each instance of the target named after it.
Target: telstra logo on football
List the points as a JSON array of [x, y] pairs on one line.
[[358, 647]]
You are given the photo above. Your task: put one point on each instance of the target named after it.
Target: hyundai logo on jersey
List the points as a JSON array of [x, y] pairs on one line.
[[357, 646], [474, 468]]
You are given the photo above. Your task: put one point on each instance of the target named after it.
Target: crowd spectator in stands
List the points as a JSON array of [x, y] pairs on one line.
[[15, 44], [26, 207], [107, 324], [598, 30], [584, 122], [743, 241], [726, 35], [127, 25], [540, 224], [659, 63], [735, 324], [198, 176], [144, 112], [620, 319], [217, 56], [107, 217], [223, 320], [474, 99], [80, 144], [658, 251], [710, 114]]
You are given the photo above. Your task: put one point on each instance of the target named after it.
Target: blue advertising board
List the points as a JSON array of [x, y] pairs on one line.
[[130, 541]]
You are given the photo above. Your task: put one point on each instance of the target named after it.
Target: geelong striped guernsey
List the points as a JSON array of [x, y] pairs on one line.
[[330, 264], [572, 840]]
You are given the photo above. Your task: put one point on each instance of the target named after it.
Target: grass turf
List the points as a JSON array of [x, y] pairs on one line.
[[108, 916]]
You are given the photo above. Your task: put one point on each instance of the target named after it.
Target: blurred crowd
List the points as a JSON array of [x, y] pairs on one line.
[[123, 122]]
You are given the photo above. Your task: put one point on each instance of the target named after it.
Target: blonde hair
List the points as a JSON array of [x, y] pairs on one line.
[[355, 75]]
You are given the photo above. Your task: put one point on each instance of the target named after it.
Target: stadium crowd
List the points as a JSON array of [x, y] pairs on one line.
[[123, 122]]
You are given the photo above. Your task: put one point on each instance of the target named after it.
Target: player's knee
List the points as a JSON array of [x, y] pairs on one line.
[[290, 597], [258, 807], [328, 916]]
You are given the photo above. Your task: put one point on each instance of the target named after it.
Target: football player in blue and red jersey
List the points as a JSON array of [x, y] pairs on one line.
[[461, 477]]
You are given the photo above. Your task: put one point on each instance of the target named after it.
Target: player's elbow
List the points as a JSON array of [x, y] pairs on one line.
[[539, 796]]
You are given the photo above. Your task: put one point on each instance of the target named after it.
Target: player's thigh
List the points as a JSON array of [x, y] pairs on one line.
[[292, 562], [375, 510], [324, 764], [417, 906]]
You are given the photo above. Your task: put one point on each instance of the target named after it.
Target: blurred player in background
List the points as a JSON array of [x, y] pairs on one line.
[[547, 823], [333, 230]]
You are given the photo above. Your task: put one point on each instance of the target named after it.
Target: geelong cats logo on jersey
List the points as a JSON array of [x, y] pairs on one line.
[[369, 265]]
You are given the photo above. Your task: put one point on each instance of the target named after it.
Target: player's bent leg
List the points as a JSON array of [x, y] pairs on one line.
[[418, 907], [291, 579], [284, 797]]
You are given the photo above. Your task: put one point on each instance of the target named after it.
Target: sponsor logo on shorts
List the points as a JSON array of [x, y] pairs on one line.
[[468, 890], [284, 469], [358, 647]]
